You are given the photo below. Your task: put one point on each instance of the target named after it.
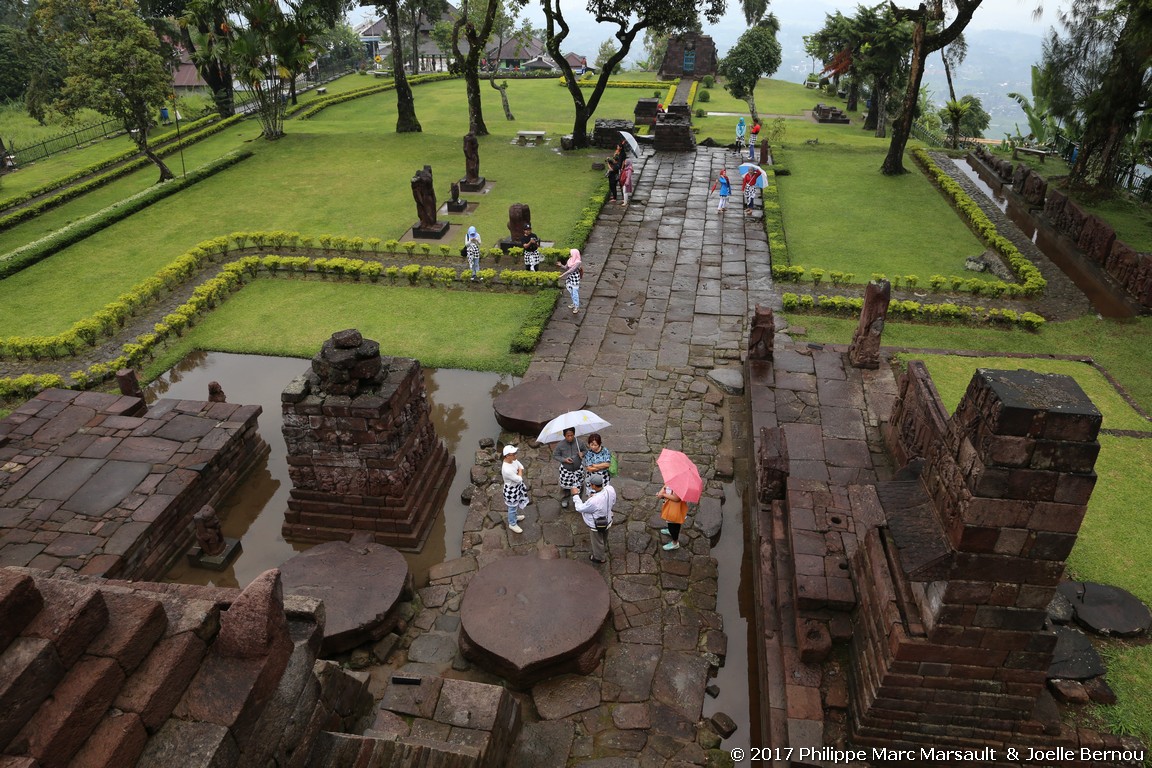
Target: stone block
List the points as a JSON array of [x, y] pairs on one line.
[[119, 739], [79, 701], [415, 696], [190, 745], [29, 671], [20, 602]]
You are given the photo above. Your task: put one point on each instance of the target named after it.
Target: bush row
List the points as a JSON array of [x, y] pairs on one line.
[[26, 386], [936, 283], [135, 161], [38, 250], [339, 98], [1032, 282], [774, 222], [113, 317], [947, 312], [534, 320]]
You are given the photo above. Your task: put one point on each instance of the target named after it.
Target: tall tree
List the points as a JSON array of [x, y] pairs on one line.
[[882, 59], [631, 17], [476, 33], [837, 46], [605, 54], [929, 34], [756, 54], [113, 64], [406, 121], [1100, 73]]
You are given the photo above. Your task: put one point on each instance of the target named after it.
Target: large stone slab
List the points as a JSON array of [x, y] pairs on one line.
[[1106, 610], [564, 696], [527, 619], [360, 583]]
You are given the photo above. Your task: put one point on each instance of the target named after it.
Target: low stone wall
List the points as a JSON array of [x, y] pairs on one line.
[[1132, 269], [674, 134]]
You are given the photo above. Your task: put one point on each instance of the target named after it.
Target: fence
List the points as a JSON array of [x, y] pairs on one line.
[[1132, 177], [936, 139], [66, 141]]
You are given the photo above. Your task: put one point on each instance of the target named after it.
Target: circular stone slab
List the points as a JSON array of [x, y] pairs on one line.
[[528, 406], [360, 583], [1107, 610], [528, 619]]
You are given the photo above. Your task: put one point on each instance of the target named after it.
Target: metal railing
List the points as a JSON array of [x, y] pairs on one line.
[[65, 141], [937, 139]]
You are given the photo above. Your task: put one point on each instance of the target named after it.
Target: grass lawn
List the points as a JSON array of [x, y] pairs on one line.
[[840, 213], [292, 318], [344, 172]]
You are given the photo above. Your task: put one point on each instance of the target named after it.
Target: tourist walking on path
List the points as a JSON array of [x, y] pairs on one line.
[[752, 134], [626, 182], [568, 455], [515, 493], [574, 271], [741, 129], [749, 188], [597, 458], [674, 512], [531, 245], [472, 249], [597, 514], [613, 173], [725, 186]]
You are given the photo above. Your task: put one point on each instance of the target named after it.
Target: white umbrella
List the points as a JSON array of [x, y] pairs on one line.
[[632, 143], [584, 422], [761, 178]]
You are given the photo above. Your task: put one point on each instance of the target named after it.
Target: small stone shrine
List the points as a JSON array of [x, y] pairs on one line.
[[519, 214], [673, 133], [864, 352], [362, 451], [689, 54], [455, 204], [472, 181]]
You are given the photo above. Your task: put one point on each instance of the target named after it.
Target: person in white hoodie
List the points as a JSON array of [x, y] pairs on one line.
[[597, 514], [515, 493]]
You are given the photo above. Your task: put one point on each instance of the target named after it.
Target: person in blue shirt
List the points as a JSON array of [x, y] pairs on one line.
[[725, 186]]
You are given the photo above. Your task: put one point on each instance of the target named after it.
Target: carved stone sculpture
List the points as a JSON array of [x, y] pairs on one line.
[[763, 334], [519, 214], [425, 196], [216, 393], [471, 157], [864, 351], [209, 534]]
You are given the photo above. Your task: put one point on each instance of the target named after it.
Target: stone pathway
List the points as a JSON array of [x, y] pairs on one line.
[[668, 290]]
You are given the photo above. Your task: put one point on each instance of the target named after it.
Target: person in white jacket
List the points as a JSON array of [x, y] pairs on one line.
[[597, 514]]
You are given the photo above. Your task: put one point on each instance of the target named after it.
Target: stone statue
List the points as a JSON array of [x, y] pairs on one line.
[[864, 351], [763, 335], [471, 157], [208, 531], [519, 214], [216, 393], [425, 196], [454, 190]]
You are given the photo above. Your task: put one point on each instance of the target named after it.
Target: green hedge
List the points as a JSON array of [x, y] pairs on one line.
[[131, 162], [774, 222], [339, 98], [38, 250], [946, 312], [1032, 282], [543, 303], [794, 273]]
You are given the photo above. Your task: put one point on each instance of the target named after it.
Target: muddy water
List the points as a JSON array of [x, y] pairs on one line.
[[461, 403]]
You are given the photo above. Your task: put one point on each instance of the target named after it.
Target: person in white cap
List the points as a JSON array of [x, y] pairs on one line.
[[597, 514], [515, 494]]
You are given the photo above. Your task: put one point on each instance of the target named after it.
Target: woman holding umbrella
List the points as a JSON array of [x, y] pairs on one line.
[[749, 187], [626, 181], [674, 511], [568, 455]]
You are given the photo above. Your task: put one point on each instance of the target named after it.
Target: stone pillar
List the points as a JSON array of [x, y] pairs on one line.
[[762, 338], [362, 451], [957, 650], [864, 351]]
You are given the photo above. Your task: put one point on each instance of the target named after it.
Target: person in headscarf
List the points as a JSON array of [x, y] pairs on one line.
[[472, 249], [748, 185], [724, 184], [741, 129], [626, 181], [574, 270]]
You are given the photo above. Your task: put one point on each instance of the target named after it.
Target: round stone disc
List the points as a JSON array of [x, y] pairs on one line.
[[1105, 609], [528, 406], [524, 618]]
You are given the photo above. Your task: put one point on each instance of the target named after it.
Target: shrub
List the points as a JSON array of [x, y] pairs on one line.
[[701, 113], [708, 81], [704, 96], [535, 319]]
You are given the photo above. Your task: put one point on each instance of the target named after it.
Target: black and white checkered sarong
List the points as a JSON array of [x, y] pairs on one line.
[[515, 495], [571, 478], [532, 258]]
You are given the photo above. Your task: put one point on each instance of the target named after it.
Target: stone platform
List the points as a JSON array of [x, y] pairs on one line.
[[528, 618], [99, 484]]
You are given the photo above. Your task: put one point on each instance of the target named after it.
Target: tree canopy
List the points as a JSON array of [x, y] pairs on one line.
[[756, 54]]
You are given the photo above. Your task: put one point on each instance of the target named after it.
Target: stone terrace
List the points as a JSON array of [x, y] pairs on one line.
[[101, 485]]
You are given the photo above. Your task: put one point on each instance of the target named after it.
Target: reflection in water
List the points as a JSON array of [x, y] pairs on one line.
[[461, 410]]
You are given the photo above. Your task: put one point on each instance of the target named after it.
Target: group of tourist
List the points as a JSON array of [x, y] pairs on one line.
[[618, 169], [742, 132], [573, 267], [748, 184], [586, 469]]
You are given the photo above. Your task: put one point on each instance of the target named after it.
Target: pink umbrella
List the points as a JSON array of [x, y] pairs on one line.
[[680, 474]]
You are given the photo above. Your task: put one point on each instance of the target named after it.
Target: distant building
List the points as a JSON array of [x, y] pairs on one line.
[[689, 55]]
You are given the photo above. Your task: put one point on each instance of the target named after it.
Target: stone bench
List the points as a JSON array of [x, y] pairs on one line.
[[1040, 153], [380, 73], [530, 137], [811, 84], [321, 91]]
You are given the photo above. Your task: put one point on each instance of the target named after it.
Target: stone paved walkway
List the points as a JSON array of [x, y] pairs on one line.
[[668, 290]]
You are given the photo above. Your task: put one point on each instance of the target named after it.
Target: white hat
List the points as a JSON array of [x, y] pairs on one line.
[[509, 449]]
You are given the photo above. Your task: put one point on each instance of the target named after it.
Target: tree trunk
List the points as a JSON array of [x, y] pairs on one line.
[[406, 121], [215, 74], [503, 89], [853, 95], [870, 120], [476, 123], [894, 162], [751, 101], [554, 17], [165, 173]]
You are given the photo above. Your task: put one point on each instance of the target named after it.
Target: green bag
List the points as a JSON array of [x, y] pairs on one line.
[[613, 467]]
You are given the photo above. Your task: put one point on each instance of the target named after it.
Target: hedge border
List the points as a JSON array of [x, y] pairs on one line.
[[946, 312], [38, 250], [24, 214], [323, 103]]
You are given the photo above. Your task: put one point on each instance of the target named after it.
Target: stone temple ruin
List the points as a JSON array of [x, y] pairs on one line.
[[912, 610], [362, 451]]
